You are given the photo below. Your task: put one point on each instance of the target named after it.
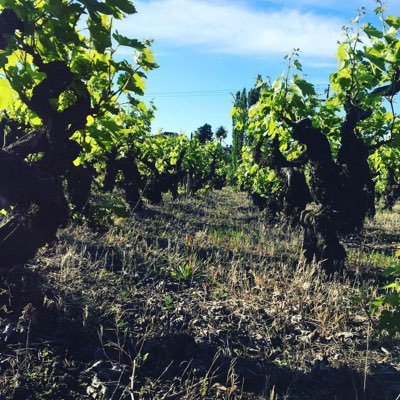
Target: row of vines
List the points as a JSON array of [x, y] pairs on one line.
[[325, 160], [72, 122]]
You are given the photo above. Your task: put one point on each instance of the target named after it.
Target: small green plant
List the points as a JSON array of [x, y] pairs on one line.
[[141, 359], [377, 259], [164, 235], [220, 291], [169, 302], [109, 207], [123, 325], [204, 386], [228, 235], [44, 354], [183, 272], [388, 305]]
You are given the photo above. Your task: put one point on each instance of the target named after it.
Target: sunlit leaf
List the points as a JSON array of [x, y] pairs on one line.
[[7, 94], [124, 41]]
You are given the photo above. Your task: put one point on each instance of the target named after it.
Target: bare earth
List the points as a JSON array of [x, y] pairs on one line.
[[198, 299]]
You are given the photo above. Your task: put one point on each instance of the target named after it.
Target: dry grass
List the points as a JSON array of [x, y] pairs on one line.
[[198, 299]]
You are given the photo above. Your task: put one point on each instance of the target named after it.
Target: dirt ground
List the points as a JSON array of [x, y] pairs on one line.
[[198, 299]]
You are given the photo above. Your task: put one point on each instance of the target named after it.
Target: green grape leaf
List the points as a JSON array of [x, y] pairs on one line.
[[393, 21], [94, 7], [342, 52], [298, 65], [306, 88], [124, 41], [376, 61], [125, 6], [100, 34], [372, 32], [7, 94]]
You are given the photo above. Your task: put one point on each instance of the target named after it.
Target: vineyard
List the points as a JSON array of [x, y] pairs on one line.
[[140, 265]]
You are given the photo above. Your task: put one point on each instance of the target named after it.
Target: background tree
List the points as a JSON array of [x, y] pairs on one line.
[[204, 133], [255, 91], [221, 134], [239, 124]]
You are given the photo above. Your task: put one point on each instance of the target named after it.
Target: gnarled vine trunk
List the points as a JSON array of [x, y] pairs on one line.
[[79, 183], [137, 186], [392, 191], [295, 195], [342, 191], [132, 181], [35, 191], [39, 210]]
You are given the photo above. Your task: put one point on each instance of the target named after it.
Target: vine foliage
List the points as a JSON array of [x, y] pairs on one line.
[[318, 156], [58, 71]]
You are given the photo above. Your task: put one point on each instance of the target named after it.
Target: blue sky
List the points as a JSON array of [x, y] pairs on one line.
[[209, 49]]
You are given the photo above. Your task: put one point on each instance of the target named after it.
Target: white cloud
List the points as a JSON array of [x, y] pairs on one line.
[[237, 29], [322, 65], [336, 5], [329, 4]]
